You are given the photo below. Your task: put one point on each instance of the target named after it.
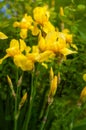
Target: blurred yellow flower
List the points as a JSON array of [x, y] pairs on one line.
[[56, 42], [24, 24], [41, 14], [61, 11]]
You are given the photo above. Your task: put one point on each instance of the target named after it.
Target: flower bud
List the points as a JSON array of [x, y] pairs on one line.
[[84, 77], [83, 95], [61, 11], [23, 100], [11, 86]]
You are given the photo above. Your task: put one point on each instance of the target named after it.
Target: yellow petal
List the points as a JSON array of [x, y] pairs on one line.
[[51, 37], [45, 56], [14, 43], [45, 65], [3, 36], [22, 45], [14, 48], [23, 33], [74, 46], [66, 51], [35, 30], [65, 30], [41, 14], [23, 62], [41, 43], [32, 56], [48, 27], [16, 24], [35, 49], [27, 49], [1, 60]]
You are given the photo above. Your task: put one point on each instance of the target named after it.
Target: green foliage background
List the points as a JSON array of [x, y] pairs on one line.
[[64, 114]]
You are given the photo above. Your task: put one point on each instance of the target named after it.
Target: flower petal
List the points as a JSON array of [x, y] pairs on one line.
[[3, 36]]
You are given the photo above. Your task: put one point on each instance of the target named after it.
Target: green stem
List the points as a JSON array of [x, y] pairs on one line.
[[16, 104], [28, 116], [15, 118], [45, 118]]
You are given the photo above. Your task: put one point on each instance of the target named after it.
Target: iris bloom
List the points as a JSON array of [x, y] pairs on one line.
[[22, 56], [41, 16], [15, 51], [25, 24], [55, 42]]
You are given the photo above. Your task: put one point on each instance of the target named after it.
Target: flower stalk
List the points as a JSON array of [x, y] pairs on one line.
[[45, 117], [16, 104], [28, 115]]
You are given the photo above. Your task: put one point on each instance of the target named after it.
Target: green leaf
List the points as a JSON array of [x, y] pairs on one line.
[[81, 125]]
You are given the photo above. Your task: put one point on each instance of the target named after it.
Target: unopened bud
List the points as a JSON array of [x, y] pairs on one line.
[[23, 100], [53, 87], [51, 74], [59, 78], [19, 81], [11, 85], [83, 95], [84, 77], [61, 11]]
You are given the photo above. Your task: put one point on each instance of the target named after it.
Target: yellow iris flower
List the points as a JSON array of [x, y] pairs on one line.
[[41, 15], [16, 47], [55, 42], [24, 24]]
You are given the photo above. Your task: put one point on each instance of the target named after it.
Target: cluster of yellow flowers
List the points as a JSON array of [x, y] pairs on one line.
[[51, 42]]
